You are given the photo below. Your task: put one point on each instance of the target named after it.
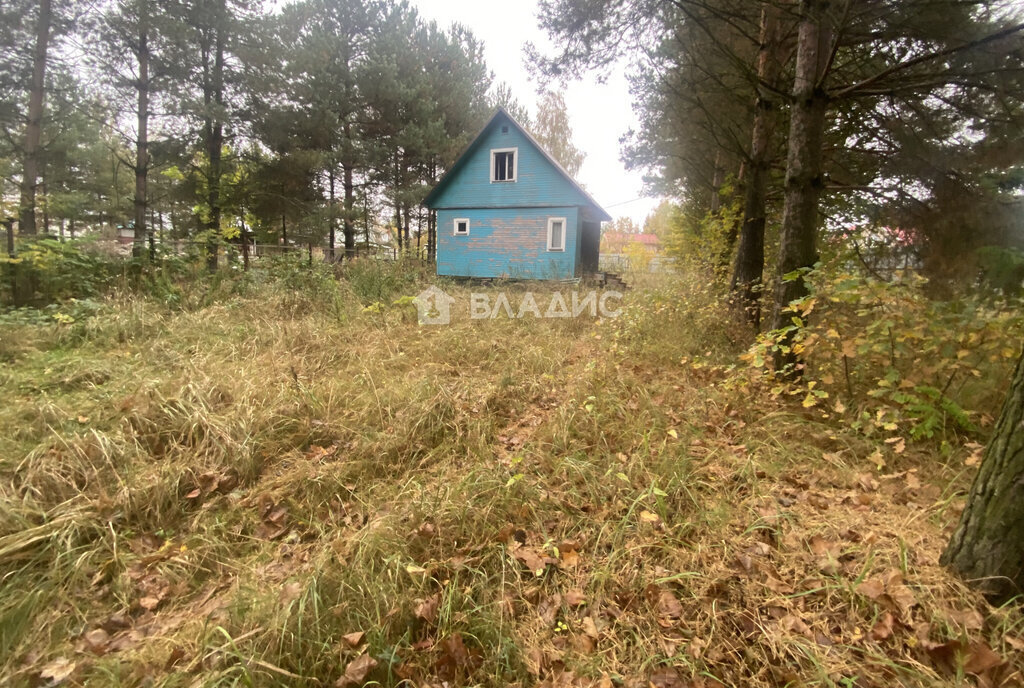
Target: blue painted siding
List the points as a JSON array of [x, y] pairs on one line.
[[507, 242], [538, 183]]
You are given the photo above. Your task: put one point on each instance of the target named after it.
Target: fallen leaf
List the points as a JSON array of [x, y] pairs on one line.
[[455, 659], [649, 517], [149, 603], [793, 623], [355, 639], [58, 670], [666, 677], [414, 570], [575, 598], [96, 641], [175, 656], [977, 452], [872, 588], [532, 560], [357, 671], [548, 608], [589, 627], [426, 610], [883, 628], [897, 444], [980, 658], [290, 592], [669, 609]]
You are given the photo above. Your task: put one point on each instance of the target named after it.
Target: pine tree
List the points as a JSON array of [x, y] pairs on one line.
[[987, 547]]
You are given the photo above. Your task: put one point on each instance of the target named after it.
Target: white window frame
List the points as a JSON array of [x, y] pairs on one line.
[[565, 227], [515, 165], [455, 226]]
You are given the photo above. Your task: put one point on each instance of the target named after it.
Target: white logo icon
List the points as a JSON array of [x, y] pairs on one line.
[[433, 306]]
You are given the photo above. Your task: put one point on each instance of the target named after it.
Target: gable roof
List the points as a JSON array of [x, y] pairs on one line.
[[502, 113]]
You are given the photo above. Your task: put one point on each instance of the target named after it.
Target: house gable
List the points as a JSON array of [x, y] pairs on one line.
[[539, 180]]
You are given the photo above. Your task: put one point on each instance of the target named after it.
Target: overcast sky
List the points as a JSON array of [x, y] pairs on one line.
[[599, 113]]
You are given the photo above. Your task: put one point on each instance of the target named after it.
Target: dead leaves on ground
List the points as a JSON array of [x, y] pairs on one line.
[[357, 671]]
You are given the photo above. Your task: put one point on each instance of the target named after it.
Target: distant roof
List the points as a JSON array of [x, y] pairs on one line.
[[499, 113]]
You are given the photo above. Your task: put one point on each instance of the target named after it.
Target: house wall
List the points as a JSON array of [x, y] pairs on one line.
[[507, 242], [538, 184]]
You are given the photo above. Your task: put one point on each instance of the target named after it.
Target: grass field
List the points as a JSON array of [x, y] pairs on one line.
[[274, 485]]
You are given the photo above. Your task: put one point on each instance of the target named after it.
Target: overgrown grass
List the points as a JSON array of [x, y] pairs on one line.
[[217, 488]]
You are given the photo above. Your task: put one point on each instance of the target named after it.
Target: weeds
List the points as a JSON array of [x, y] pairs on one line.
[[271, 486]]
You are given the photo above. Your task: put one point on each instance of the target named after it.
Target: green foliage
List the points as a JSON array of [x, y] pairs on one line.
[[677, 317], [704, 239], [47, 270], [888, 359], [1002, 269], [308, 287], [377, 281]]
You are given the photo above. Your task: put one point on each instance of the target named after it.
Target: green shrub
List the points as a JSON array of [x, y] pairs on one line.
[[47, 270], [894, 361], [377, 281]]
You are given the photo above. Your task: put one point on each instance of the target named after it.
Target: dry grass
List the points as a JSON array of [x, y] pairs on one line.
[[218, 496]]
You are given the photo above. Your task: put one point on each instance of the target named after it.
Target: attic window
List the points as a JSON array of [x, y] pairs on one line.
[[461, 227], [504, 130], [556, 233], [504, 164]]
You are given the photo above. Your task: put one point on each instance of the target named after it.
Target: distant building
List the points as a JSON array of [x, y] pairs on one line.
[[621, 242], [506, 208]]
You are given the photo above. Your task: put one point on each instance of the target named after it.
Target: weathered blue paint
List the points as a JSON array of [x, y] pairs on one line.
[[507, 242], [509, 220]]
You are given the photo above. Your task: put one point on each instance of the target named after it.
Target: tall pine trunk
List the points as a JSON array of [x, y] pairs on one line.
[[349, 227], [142, 140], [331, 225], [34, 126], [987, 547], [798, 248], [213, 96], [748, 270]]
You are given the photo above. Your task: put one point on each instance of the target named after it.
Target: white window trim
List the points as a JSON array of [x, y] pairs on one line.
[[515, 165], [455, 226], [565, 226]]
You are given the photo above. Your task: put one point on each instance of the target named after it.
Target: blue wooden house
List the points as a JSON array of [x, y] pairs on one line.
[[507, 209]]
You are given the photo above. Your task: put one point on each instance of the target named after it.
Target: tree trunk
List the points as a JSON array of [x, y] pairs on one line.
[[142, 142], [366, 217], [748, 271], [350, 200], [798, 248], [408, 240], [332, 229], [398, 224], [34, 127], [214, 91], [987, 547], [717, 179]]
